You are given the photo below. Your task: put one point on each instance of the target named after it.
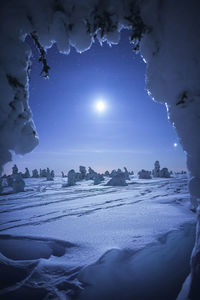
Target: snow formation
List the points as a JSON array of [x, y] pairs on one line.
[[117, 180], [56, 241], [26, 174], [71, 178], [165, 32], [126, 173], [18, 183], [156, 170], [72, 24], [164, 173], [143, 174], [35, 173]]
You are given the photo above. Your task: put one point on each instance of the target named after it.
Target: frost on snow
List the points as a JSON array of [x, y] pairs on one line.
[[165, 32]]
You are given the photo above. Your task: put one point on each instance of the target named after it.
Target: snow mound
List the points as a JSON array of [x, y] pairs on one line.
[[156, 272], [30, 248], [30, 269], [117, 180]]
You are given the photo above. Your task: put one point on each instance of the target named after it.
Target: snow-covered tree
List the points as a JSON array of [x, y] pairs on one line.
[[63, 175], [97, 178], [49, 175], [107, 173], [113, 173], [43, 173], [143, 174], [14, 169], [9, 179], [83, 172], [91, 174], [126, 173], [18, 183], [78, 176], [156, 170], [71, 178], [117, 180], [26, 174], [164, 173], [35, 173]]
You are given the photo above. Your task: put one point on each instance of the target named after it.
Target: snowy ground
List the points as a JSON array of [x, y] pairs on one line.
[[96, 242]]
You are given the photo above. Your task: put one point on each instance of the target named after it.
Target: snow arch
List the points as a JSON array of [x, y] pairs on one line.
[[165, 32]]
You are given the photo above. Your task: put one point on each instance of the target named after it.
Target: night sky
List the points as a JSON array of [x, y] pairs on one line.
[[133, 131]]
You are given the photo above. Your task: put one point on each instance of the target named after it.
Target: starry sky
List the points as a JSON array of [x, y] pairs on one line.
[[133, 131]]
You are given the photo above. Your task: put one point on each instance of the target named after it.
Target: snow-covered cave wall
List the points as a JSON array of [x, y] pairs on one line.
[[171, 50], [166, 32], [69, 23]]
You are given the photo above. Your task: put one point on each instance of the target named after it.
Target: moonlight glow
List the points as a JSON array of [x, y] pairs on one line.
[[100, 106]]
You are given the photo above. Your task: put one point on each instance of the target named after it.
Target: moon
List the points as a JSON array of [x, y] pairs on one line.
[[175, 145], [100, 106]]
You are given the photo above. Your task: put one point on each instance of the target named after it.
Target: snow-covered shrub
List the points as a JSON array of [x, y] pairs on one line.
[[143, 174], [113, 173], [26, 174], [78, 176], [156, 170], [126, 173], [107, 173], [43, 173], [91, 174], [49, 175], [15, 169], [164, 173], [18, 183], [63, 175], [83, 172], [35, 173], [9, 179], [97, 179], [117, 180], [71, 178]]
